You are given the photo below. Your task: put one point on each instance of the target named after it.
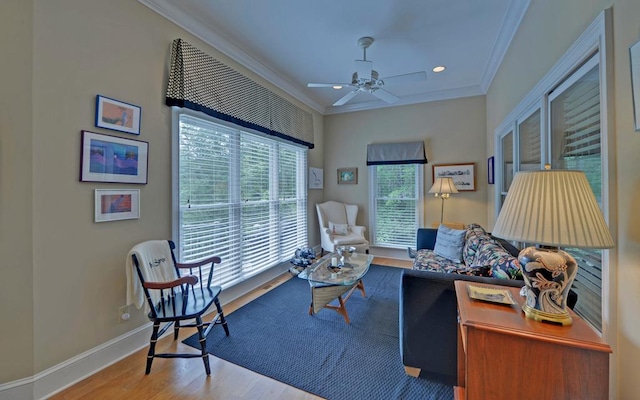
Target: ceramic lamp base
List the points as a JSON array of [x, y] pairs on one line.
[[548, 274]]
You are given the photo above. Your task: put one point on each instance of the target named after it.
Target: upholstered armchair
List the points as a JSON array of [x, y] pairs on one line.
[[338, 227]]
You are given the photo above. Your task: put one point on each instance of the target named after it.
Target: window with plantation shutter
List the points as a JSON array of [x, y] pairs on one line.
[[395, 204], [575, 136], [240, 196], [529, 147]]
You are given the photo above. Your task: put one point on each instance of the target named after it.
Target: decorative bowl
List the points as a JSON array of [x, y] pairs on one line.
[[345, 251]]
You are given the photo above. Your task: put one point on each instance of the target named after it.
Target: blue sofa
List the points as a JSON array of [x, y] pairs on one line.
[[428, 310]]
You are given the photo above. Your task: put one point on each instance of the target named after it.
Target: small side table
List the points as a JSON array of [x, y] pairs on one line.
[[504, 355]]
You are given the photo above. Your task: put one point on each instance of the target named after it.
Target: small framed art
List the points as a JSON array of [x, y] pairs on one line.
[[117, 204], [634, 55], [490, 170], [463, 175], [316, 178], [117, 115], [348, 176], [105, 158]]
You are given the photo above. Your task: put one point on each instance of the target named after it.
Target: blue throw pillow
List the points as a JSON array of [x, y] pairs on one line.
[[449, 243]]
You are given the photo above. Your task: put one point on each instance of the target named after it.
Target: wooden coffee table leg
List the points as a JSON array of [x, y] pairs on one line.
[[342, 310], [360, 286]]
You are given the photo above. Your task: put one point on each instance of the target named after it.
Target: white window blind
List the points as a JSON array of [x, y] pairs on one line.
[[241, 197], [395, 204]]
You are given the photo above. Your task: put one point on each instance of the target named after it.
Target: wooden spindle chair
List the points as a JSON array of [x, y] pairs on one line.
[[181, 299]]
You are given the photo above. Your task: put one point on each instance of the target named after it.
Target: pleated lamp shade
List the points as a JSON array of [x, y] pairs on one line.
[[443, 185], [553, 208]]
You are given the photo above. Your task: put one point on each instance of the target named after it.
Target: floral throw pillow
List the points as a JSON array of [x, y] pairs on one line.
[[503, 265]]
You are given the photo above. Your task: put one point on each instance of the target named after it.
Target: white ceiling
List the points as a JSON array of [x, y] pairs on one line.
[[293, 42]]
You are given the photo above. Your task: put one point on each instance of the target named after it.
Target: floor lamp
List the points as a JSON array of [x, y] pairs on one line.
[[551, 208], [443, 187]]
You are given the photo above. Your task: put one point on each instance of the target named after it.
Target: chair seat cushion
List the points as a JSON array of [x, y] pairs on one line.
[[349, 238]]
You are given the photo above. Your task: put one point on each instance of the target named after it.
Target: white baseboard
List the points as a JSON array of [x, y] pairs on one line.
[[61, 376], [75, 369]]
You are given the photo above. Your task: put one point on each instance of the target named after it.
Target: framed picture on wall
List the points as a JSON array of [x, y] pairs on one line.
[[348, 176], [117, 115], [316, 178], [463, 175], [634, 54], [105, 158], [113, 205], [491, 170]]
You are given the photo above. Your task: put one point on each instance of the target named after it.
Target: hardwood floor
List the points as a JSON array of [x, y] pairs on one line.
[[173, 379]]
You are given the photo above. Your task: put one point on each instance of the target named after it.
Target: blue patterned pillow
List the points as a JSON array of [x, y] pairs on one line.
[[449, 243]]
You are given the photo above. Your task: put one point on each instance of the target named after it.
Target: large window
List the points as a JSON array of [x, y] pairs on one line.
[[569, 136], [395, 204], [238, 195]]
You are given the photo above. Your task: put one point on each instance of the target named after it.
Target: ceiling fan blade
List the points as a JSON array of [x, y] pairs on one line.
[[345, 98], [363, 69], [405, 78], [384, 95], [327, 84]]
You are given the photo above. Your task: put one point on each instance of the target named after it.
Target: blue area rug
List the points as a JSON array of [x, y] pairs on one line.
[[275, 336]]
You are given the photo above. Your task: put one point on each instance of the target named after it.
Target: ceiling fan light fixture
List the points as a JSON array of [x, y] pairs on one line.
[[366, 79], [439, 68]]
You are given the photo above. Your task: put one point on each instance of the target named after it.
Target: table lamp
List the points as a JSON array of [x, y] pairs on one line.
[[551, 208], [443, 187]]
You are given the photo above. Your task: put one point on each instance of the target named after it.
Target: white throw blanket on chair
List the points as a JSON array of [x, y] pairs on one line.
[[156, 264]]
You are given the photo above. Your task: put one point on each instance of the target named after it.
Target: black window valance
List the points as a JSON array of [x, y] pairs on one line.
[[200, 82], [396, 153]]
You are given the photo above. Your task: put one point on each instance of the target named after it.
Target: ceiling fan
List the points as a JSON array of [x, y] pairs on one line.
[[366, 79]]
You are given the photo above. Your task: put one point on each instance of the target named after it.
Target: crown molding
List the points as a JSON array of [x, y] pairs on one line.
[[173, 12], [510, 24]]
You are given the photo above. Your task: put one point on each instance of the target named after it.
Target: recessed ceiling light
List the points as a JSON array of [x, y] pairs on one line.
[[439, 68], [337, 87]]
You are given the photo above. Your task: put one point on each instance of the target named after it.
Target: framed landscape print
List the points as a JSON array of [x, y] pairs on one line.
[[105, 158], [113, 205], [463, 175], [117, 115], [348, 176]]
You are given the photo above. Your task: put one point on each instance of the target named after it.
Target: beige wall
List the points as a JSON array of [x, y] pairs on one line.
[[453, 132], [16, 134], [532, 52], [65, 274]]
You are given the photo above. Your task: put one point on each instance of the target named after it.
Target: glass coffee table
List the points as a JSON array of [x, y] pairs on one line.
[[335, 283]]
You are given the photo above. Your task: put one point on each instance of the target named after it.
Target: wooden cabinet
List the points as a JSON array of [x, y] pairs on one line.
[[504, 355]]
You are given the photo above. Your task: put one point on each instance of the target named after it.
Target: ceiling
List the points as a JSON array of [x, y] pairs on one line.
[[293, 42]]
